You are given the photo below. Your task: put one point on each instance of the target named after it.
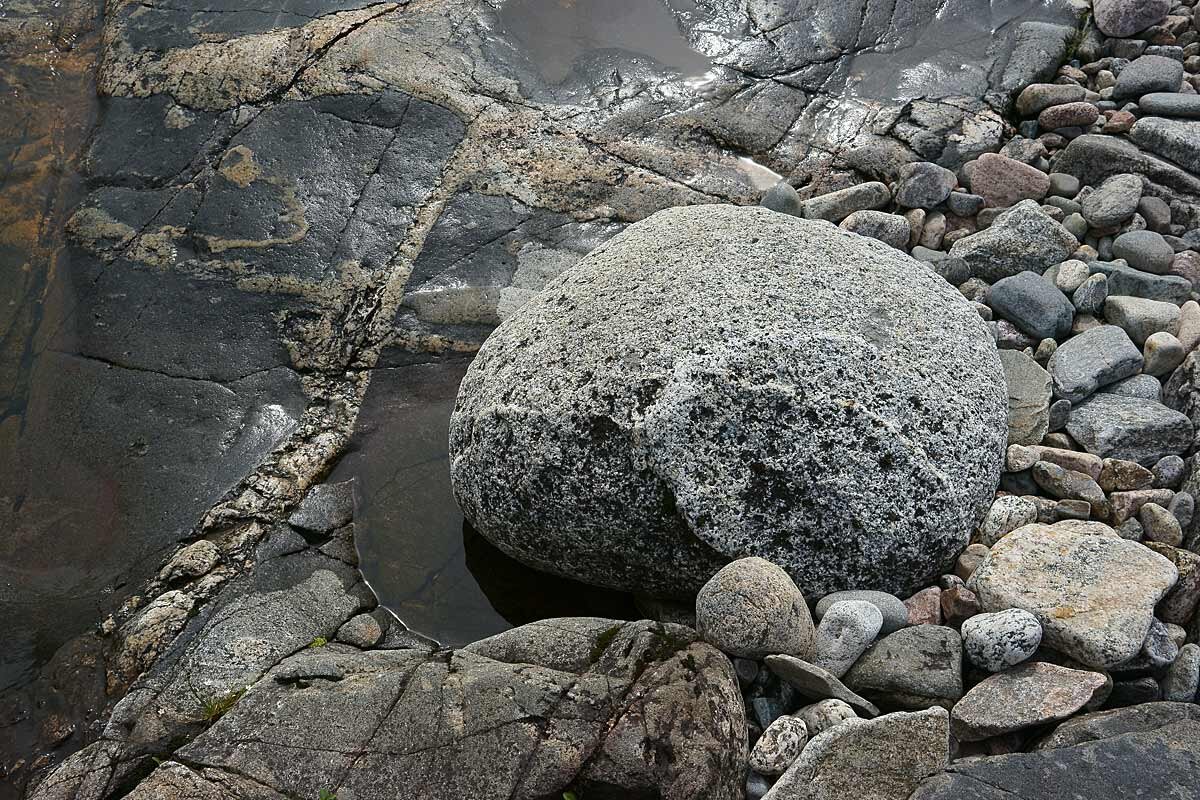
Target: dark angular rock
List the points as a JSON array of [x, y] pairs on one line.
[[1120, 766], [1111, 426], [1095, 358]]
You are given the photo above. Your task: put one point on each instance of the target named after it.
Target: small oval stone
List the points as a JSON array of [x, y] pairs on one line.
[[821, 716], [847, 629], [1002, 639], [779, 746]]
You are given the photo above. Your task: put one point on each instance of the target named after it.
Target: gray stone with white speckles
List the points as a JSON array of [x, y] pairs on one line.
[[824, 714], [1006, 515], [1001, 639], [779, 746]]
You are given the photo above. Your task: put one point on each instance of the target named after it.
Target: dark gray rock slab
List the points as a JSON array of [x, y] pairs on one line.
[[1173, 139], [1170, 104], [1132, 429], [1156, 765], [1100, 725], [1097, 357], [1125, 280], [326, 506]]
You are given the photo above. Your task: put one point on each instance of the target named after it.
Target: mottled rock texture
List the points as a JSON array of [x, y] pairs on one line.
[[721, 381], [1093, 595], [586, 704]]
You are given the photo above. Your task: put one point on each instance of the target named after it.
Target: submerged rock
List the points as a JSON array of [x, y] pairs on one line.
[[721, 381]]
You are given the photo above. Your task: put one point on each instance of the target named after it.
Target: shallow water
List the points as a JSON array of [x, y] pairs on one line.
[[423, 561], [556, 34], [943, 58]]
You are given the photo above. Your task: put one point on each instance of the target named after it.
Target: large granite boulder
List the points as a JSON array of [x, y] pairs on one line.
[[594, 706], [720, 381]]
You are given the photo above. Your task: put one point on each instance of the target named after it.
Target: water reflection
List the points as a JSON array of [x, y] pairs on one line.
[[423, 561], [945, 57], [555, 34]]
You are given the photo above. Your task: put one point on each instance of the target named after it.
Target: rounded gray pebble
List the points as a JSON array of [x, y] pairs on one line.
[[779, 746], [895, 615], [782, 198], [847, 629], [823, 715], [1144, 250], [752, 608], [997, 641], [1169, 472]]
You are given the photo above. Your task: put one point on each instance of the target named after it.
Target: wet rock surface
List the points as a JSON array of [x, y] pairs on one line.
[[348, 196]]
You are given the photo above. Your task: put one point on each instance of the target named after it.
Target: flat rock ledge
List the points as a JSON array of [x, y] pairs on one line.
[[581, 704]]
